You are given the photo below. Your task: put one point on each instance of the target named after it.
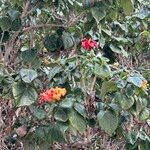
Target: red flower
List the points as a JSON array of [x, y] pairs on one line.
[[46, 96], [89, 44]]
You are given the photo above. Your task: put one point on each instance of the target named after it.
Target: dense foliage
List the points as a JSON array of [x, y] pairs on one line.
[[75, 70]]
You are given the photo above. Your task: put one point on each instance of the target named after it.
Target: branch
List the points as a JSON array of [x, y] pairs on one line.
[[30, 11], [25, 8], [75, 20], [67, 25], [42, 26], [1, 40], [93, 84]]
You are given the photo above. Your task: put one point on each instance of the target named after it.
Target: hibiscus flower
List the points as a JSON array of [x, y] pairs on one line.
[[89, 44]]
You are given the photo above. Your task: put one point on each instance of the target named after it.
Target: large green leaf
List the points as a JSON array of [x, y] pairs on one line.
[[77, 121], [80, 109], [29, 55], [51, 133], [108, 121], [52, 42], [98, 13], [53, 71], [31, 58], [108, 86], [23, 94], [5, 23], [142, 14], [68, 40], [5, 35], [127, 6], [55, 134], [124, 101], [67, 102], [28, 75], [132, 137], [102, 71], [39, 113], [144, 114], [135, 79], [16, 24], [14, 14], [119, 49], [61, 114]]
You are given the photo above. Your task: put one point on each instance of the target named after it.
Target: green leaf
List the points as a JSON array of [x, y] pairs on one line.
[[31, 58], [98, 13], [115, 48], [144, 145], [102, 71], [124, 101], [142, 14], [144, 114], [52, 42], [135, 79], [143, 136], [28, 75], [39, 113], [119, 49], [131, 137], [108, 86], [6, 35], [67, 102], [29, 55], [63, 126], [55, 134], [51, 133], [77, 121], [68, 40], [108, 121], [5, 23], [14, 14], [127, 6], [61, 115], [24, 95], [80, 109], [122, 26], [53, 72], [16, 24]]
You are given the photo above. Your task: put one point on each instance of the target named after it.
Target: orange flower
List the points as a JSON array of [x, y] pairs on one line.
[[144, 85], [63, 91], [53, 94], [59, 92]]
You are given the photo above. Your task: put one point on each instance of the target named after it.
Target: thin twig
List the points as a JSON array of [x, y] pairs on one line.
[[42, 26], [67, 25], [32, 9], [1, 40], [74, 20], [25, 9], [93, 84]]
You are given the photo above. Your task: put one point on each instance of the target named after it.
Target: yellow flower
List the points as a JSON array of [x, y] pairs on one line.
[[144, 84], [63, 92], [58, 93], [116, 64], [56, 97]]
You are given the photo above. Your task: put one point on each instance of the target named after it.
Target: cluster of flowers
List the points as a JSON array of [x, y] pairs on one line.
[[53, 94], [89, 44]]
